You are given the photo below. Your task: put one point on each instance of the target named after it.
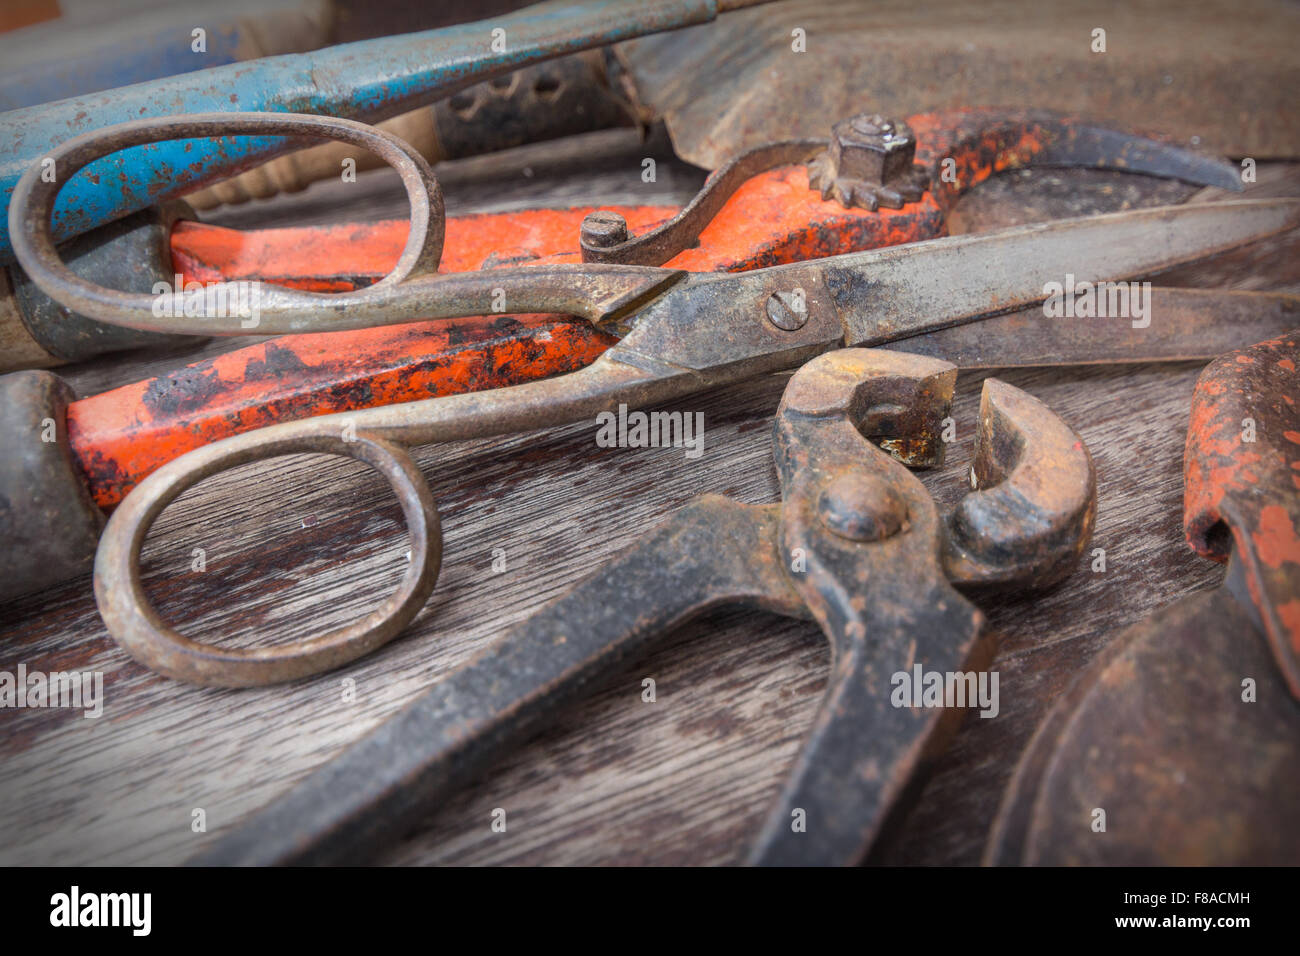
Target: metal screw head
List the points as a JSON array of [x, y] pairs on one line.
[[872, 148], [787, 311], [859, 506], [603, 230]]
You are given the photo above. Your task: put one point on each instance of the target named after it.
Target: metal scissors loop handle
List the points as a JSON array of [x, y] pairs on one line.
[[377, 436], [32, 208], [139, 629]]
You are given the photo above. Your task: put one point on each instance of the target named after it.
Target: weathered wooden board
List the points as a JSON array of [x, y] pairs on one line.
[[297, 544]]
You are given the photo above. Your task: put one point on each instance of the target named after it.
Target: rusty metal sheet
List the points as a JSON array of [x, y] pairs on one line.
[[1223, 74]]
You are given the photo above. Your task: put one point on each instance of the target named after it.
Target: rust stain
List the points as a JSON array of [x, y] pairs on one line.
[[1289, 615], [1276, 541]]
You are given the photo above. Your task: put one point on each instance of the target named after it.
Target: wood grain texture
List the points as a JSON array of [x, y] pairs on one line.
[[294, 545]]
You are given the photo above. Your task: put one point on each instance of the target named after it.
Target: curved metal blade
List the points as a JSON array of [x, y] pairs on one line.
[[890, 293], [1187, 324], [725, 327], [1077, 144]]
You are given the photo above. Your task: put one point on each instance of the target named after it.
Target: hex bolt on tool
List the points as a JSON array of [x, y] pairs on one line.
[[856, 544], [1184, 731], [782, 212]]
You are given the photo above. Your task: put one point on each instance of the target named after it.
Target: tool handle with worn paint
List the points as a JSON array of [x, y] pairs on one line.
[[120, 436], [369, 80], [1241, 471], [133, 253], [49, 527]]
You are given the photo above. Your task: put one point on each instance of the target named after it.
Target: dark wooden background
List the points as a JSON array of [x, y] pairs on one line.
[[297, 544]]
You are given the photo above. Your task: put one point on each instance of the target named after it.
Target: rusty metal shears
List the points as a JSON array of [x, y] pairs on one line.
[[760, 209], [680, 333]]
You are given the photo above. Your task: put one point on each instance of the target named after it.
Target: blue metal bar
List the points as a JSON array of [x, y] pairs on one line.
[[370, 81]]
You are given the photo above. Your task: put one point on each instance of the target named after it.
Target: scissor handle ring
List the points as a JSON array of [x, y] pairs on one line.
[[32, 206], [136, 626]]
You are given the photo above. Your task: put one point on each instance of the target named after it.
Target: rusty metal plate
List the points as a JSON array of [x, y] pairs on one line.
[[1184, 68], [1157, 736]]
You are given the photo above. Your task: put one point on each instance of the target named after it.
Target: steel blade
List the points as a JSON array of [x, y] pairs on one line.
[[1185, 324], [901, 291]]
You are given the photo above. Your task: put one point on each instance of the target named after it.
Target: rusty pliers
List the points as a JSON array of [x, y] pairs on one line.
[[856, 544]]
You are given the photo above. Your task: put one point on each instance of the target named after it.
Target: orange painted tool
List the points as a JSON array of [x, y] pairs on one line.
[[772, 217]]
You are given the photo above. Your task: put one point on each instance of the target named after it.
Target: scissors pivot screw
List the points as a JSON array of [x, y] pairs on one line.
[[787, 311], [869, 164], [862, 507], [604, 229]]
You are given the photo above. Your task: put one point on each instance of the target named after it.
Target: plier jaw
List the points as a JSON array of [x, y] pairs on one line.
[[876, 563]]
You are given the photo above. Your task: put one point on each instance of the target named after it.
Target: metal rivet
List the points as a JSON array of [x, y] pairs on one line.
[[787, 311], [603, 230], [862, 507]]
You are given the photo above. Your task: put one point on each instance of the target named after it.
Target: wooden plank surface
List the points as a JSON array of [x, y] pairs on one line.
[[297, 544]]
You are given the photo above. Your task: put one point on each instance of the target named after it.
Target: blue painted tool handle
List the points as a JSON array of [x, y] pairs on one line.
[[370, 80]]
